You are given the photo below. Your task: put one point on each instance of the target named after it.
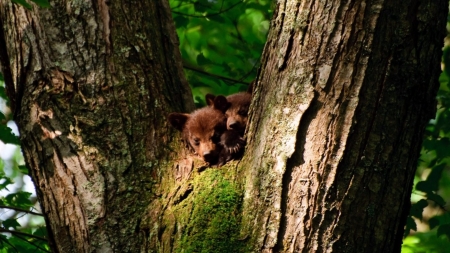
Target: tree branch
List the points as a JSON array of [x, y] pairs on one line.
[[32, 243], [7, 242], [212, 14], [189, 67], [20, 210], [15, 232]]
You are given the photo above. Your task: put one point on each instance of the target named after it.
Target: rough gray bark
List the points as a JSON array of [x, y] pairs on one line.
[[345, 91], [91, 83]]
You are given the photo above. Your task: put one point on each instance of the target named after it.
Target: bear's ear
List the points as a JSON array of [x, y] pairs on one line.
[[209, 98], [221, 103], [178, 120]]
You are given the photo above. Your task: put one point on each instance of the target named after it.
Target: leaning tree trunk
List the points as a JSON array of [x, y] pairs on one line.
[[345, 91], [90, 83]]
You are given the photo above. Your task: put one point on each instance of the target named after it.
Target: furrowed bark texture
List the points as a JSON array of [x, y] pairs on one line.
[[91, 83], [345, 91]]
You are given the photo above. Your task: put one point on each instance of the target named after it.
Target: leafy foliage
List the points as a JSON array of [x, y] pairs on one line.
[[40, 3], [425, 242], [6, 134], [221, 43], [14, 237], [433, 192], [15, 204]]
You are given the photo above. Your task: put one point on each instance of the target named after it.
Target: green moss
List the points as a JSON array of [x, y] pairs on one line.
[[213, 224]]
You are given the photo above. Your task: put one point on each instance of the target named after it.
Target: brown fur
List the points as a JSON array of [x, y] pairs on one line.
[[233, 146], [237, 112], [202, 128], [232, 140]]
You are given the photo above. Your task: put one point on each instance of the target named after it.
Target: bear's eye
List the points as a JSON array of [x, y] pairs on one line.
[[196, 141], [243, 113]]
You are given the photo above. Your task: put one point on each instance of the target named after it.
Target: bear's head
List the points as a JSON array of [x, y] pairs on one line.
[[237, 110], [202, 129]]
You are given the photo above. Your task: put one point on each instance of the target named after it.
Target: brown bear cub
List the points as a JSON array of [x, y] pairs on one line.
[[203, 128], [237, 112], [232, 140]]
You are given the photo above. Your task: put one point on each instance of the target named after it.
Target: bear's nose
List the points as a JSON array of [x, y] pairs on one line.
[[208, 156], [233, 125]]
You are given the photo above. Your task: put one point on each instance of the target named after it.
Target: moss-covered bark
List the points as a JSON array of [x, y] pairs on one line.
[[199, 210]]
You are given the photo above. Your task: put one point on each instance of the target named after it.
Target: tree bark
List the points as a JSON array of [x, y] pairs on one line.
[[333, 146], [340, 105], [91, 84]]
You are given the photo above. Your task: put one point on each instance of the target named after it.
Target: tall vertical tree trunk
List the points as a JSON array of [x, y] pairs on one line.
[[345, 91], [91, 83], [339, 109]]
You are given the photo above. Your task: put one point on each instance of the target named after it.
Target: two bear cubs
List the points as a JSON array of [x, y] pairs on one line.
[[215, 132]]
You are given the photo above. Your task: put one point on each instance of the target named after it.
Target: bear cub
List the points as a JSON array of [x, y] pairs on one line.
[[237, 111], [203, 128], [232, 140]]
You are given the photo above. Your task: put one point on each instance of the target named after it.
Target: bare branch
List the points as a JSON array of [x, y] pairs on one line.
[[189, 67], [15, 232], [18, 209], [209, 15]]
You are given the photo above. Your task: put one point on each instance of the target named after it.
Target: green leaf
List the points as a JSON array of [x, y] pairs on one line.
[[424, 186], [435, 175], [41, 231], [444, 230], [23, 169], [181, 21], [199, 7], [417, 208], [3, 93], [441, 148], [19, 199], [2, 79], [21, 244], [2, 116], [6, 181], [23, 3], [433, 222], [10, 223], [42, 3], [410, 224], [436, 198], [446, 60], [202, 60], [217, 18], [7, 136], [226, 68]]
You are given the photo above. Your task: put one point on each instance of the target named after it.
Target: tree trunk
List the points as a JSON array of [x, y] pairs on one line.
[[91, 84], [333, 146], [341, 102]]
